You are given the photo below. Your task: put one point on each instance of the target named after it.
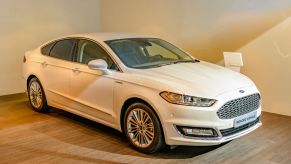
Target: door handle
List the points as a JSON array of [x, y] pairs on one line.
[[44, 64], [76, 70]]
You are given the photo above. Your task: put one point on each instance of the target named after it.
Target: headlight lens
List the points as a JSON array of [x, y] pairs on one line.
[[179, 99]]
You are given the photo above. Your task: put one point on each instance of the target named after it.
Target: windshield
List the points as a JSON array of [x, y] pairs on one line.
[[147, 52]]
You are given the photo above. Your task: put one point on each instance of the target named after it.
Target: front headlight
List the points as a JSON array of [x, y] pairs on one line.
[[179, 99]]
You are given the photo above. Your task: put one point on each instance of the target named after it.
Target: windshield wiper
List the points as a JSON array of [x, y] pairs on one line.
[[187, 61], [164, 64], [176, 62]]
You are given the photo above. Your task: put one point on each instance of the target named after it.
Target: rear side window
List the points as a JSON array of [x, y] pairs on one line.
[[46, 49], [63, 49]]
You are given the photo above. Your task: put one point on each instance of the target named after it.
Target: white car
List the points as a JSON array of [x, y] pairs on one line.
[[145, 87]]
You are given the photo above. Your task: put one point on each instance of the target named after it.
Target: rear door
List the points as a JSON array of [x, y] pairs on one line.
[[57, 70]]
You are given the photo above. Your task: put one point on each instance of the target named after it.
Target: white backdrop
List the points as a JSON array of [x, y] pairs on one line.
[[25, 24]]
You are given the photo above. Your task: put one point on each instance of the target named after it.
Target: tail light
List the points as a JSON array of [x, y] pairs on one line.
[[24, 59]]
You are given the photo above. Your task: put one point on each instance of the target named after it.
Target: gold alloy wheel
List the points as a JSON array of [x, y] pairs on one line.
[[140, 128], [35, 94]]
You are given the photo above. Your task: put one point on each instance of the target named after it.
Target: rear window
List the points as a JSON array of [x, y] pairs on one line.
[[46, 49], [63, 49]]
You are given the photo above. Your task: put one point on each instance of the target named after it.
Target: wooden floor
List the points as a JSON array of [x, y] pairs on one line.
[[61, 137]]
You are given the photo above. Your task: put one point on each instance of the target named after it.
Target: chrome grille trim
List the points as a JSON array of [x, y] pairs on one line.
[[240, 106]]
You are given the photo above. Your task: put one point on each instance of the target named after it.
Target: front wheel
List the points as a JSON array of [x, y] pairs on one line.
[[36, 96], [143, 129]]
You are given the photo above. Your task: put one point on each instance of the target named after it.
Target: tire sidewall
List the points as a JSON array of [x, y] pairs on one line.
[[43, 105], [158, 141]]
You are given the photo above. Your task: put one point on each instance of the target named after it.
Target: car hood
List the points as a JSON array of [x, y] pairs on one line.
[[198, 79]]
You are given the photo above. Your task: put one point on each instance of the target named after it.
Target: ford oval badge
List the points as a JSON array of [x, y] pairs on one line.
[[241, 91]]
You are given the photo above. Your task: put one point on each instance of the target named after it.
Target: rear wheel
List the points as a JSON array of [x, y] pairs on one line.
[[143, 129], [36, 96]]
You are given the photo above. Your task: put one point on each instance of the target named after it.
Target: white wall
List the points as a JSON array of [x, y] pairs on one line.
[[205, 28], [25, 24], [267, 61]]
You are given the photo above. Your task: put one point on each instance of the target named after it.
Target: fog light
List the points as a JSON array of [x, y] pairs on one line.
[[197, 132]]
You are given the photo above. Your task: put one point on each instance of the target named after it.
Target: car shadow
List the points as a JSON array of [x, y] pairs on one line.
[[180, 152], [185, 152]]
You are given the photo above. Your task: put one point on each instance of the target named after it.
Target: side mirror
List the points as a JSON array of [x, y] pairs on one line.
[[100, 65]]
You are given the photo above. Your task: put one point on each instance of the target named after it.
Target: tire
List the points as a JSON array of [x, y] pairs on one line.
[[36, 96], [145, 136]]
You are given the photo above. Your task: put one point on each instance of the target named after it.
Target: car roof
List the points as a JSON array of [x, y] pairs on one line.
[[100, 37], [110, 36]]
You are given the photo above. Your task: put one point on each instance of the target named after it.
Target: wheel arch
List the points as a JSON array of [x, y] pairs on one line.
[[132, 100], [31, 76]]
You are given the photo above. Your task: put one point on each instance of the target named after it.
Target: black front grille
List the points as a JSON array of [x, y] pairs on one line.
[[239, 106], [228, 132]]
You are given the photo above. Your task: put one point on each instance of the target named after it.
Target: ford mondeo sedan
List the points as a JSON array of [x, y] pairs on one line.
[[145, 87]]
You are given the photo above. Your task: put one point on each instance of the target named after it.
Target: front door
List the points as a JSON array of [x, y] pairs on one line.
[[91, 91]]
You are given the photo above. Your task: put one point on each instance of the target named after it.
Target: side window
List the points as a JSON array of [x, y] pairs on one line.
[[46, 49], [88, 50], [63, 49]]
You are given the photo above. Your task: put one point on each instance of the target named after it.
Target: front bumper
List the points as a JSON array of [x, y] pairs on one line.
[[200, 141], [176, 115]]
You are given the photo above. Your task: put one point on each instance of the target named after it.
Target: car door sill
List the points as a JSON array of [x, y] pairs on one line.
[[71, 99]]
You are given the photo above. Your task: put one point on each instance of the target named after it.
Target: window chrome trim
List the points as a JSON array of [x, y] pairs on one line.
[[88, 39]]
